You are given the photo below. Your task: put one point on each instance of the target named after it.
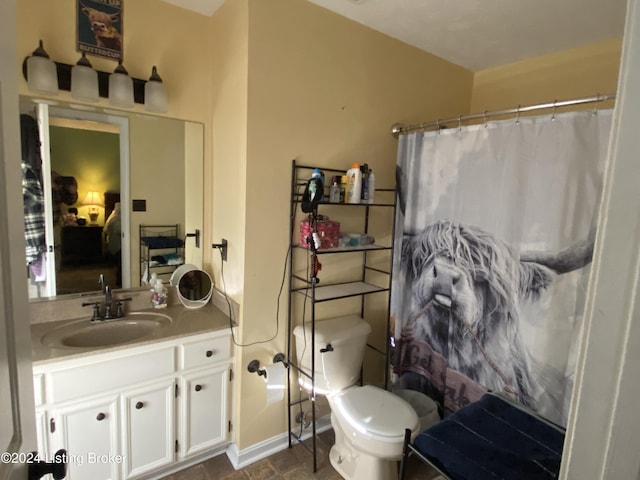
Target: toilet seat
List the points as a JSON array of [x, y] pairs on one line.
[[374, 413]]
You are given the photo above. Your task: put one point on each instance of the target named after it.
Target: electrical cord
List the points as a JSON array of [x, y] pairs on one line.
[[224, 291], [304, 349], [284, 272]]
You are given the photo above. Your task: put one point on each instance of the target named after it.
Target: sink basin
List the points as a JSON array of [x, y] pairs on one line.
[[86, 334]]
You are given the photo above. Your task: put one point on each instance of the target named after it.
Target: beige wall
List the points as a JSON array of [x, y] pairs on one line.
[[228, 55], [160, 179], [325, 91], [579, 72], [194, 189]]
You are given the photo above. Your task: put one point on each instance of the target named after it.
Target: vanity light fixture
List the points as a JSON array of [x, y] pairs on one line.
[[47, 77], [41, 72], [155, 95], [121, 87], [84, 80]]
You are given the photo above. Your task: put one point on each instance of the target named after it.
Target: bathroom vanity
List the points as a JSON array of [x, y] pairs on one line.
[[137, 410]]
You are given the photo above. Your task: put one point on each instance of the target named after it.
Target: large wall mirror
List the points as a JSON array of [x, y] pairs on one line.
[[104, 174]]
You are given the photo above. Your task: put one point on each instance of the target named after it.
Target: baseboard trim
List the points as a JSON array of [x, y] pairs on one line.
[[183, 464], [240, 459]]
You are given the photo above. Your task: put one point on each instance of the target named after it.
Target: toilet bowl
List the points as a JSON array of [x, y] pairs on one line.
[[368, 422], [369, 425]]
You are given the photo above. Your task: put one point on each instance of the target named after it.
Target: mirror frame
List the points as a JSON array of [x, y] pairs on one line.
[[64, 109]]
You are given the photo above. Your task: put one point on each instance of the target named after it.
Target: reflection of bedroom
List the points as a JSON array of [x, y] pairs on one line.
[[92, 159]]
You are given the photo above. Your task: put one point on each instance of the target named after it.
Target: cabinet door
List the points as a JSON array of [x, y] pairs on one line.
[[149, 427], [88, 430], [204, 410], [41, 434]]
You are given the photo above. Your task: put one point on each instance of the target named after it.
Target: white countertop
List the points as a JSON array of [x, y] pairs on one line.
[[185, 322]]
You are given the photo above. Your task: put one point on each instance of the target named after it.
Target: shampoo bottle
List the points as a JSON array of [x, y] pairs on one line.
[[354, 187], [344, 182], [371, 186], [364, 190], [334, 191]]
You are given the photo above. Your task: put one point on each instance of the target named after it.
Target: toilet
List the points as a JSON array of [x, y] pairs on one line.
[[368, 422]]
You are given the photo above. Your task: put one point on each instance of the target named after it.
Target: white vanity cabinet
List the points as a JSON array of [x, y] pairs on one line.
[[203, 391], [88, 430], [134, 413], [148, 426], [204, 387]]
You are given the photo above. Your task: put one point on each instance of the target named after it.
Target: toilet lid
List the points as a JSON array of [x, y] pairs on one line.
[[378, 411]]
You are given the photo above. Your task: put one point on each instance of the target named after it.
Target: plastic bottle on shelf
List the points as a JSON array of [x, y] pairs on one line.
[[344, 182], [371, 185], [354, 187], [364, 190], [334, 191]]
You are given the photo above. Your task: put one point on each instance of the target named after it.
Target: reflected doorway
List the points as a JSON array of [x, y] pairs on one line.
[[87, 155], [84, 158]]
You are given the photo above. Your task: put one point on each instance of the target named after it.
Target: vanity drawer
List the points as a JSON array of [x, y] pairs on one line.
[[102, 376], [205, 352]]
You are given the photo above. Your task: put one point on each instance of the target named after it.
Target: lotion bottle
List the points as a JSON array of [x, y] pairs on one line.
[[354, 185]]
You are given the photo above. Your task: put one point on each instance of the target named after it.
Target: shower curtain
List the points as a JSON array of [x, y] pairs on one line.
[[494, 235]]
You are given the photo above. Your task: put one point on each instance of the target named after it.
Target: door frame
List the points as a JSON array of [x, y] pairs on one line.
[[17, 406], [122, 123]]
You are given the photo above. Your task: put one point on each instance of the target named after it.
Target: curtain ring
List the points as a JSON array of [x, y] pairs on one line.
[[553, 115], [484, 116], [518, 116], [459, 123], [438, 125], [595, 106]]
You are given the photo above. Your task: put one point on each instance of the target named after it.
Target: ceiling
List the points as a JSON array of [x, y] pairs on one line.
[[477, 34]]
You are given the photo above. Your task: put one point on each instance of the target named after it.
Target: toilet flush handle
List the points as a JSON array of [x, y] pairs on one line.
[[328, 348]]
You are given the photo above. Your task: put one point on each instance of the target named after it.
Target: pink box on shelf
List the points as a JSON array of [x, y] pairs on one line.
[[328, 230]]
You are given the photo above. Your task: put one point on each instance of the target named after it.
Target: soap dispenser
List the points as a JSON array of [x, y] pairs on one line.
[[158, 292]]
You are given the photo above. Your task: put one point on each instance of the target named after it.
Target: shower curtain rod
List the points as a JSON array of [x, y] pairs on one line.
[[399, 129]]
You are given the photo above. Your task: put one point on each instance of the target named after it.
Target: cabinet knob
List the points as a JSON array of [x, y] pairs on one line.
[[209, 353], [198, 388], [139, 405], [101, 416]]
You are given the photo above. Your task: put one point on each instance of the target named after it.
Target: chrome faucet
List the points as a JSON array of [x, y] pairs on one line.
[[108, 304]]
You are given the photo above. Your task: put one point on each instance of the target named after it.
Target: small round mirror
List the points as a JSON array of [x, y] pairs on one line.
[[193, 286]]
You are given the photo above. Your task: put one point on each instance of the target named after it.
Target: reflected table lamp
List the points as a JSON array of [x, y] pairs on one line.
[[93, 200]]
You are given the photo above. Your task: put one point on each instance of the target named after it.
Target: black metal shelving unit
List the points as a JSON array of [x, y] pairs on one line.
[[174, 244], [316, 293]]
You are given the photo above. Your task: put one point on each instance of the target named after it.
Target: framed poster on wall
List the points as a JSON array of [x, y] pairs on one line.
[[99, 27]]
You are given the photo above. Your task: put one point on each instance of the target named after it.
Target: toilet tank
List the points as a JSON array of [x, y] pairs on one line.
[[339, 367]]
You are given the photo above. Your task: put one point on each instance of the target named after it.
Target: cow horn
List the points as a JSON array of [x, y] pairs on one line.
[[572, 258]]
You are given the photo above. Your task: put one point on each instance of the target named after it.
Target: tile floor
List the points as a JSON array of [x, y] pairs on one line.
[[295, 463]]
